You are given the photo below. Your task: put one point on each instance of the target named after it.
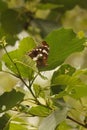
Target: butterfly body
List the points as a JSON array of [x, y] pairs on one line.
[[40, 54]]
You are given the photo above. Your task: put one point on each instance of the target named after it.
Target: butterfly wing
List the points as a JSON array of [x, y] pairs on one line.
[[40, 54]]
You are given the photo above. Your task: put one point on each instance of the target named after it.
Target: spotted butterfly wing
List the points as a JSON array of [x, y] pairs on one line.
[[40, 54]]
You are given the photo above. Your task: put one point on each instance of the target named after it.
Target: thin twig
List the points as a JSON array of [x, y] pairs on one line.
[[79, 123], [19, 76]]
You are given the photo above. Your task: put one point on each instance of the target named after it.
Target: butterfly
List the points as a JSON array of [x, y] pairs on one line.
[[40, 54]]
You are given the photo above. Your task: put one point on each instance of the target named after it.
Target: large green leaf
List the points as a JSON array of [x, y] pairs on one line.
[[18, 60], [3, 6], [20, 66], [11, 21], [63, 84], [62, 42], [64, 69], [26, 67], [66, 80], [10, 99], [69, 85], [50, 122], [9, 60]]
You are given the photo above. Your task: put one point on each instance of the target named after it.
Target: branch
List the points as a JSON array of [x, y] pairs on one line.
[[79, 123]]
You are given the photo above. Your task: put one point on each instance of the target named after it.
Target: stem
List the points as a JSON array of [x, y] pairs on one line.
[[79, 123], [30, 83], [19, 76]]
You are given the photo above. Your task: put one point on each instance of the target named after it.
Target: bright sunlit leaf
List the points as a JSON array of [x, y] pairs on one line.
[[40, 111]]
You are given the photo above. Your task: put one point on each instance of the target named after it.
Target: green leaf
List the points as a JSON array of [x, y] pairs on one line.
[[10, 99], [40, 111], [69, 85], [10, 38], [64, 83], [60, 95], [65, 126], [26, 67], [79, 91], [65, 69], [54, 119], [9, 60], [3, 6], [18, 60], [67, 80], [17, 122], [62, 80], [18, 126], [39, 92], [80, 72], [26, 45], [62, 42], [3, 121], [11, 21]]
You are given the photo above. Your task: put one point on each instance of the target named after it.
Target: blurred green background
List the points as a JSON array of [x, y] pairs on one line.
[[39, 17]]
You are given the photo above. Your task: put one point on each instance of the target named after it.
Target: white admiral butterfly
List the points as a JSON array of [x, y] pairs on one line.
[[40, 54]]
